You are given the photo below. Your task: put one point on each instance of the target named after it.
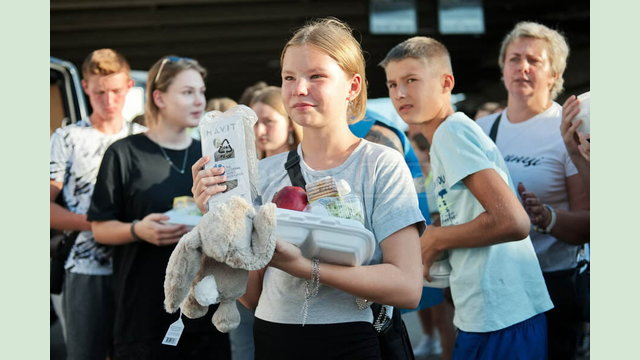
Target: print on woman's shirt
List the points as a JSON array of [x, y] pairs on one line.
[[524, 160]]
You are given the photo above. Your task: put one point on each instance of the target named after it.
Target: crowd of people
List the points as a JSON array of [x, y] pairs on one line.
[[502, 195]]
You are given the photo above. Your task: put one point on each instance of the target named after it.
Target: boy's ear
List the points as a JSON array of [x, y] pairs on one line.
[[85, 86], [448, 82]]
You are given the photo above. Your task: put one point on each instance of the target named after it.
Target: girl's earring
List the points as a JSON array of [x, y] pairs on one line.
[[291, 140], [350, 111]]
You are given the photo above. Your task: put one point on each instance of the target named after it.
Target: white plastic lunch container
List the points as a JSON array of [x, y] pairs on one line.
[[328, 238], [439, 272]]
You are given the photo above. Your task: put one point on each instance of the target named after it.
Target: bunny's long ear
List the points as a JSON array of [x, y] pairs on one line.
[[181, 269], [263, 237]]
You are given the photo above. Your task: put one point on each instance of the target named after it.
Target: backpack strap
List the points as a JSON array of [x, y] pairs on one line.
[[293, 169], [493, 134]]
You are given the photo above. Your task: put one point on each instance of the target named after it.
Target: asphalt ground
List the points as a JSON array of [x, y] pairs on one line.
[[57, 348], [411, 320]]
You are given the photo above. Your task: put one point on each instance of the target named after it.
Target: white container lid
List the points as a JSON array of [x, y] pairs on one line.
[[439, 272], [328, 238], [178, 217], [438, 282]]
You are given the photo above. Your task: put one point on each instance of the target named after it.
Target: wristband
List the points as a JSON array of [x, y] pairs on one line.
[[311, 287], [133, 231], [552, 223]]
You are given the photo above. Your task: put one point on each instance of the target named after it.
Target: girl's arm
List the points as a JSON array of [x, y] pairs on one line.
[[571, 138], [396, 282], [254, 289], [150, 229], [504, 219], [572, 226], [61, 218]]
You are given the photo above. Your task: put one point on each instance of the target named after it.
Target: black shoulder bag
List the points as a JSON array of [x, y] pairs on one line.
[[493, 133], [392, 333]]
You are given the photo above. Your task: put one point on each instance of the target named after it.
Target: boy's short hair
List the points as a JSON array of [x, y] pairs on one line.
[[104, 62], [421, 48]]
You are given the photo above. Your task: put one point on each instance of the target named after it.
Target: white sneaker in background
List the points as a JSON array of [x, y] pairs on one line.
[[428, 346]]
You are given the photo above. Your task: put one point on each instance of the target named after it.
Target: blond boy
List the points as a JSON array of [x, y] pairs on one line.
[[76, 152]]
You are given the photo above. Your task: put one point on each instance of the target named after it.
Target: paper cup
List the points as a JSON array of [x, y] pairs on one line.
[[439, 272], [585, 113]]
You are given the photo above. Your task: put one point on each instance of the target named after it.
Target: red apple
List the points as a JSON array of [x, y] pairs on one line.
[[291, 197]]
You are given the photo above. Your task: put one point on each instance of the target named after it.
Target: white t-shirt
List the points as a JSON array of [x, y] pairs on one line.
[[536, 156], [76, 153], [381, 178], [494, 286]]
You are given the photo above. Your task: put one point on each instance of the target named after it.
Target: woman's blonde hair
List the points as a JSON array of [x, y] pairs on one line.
[[556, 45], [272, 96], [161, 76], [335, 38]]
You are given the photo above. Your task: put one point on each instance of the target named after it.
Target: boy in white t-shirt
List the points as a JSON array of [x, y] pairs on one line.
[[496, 283]]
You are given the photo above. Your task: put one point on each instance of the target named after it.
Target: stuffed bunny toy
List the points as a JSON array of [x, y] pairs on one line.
[[211, 263]]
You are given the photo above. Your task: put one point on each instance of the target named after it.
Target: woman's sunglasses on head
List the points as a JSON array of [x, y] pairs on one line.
[[173, 59]]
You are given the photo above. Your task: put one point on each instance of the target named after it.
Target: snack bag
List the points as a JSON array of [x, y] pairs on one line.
[[323, 188], [184, 211], [186, 205], [229, 140], [346, 207], [330, 197]]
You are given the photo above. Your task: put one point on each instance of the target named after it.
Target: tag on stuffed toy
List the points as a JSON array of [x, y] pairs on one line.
[[173, 334]]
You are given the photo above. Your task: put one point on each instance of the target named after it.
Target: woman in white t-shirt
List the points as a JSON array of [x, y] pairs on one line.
[[533, 60]]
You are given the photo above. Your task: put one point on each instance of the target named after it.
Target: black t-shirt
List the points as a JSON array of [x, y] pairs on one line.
[[135, 180]]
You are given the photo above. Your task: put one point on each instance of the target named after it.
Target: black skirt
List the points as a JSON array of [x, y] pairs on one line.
[[353, 340]]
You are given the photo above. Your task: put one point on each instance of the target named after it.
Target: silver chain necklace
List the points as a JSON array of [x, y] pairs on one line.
[[184, 161]]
